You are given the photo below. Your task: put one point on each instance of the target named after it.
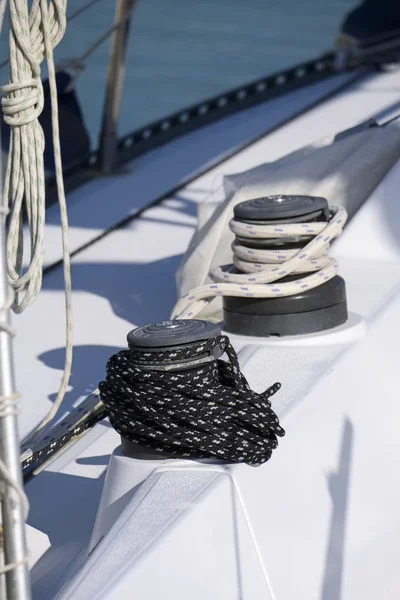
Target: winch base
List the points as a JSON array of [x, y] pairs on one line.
[[314, 310]]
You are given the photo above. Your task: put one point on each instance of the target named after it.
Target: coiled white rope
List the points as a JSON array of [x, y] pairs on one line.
[[77, 13], [33, 35], [262, 269]]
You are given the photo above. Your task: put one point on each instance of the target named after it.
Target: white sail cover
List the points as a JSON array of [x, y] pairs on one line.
[[344, 169]]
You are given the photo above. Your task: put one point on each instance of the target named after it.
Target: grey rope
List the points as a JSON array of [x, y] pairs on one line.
[[33, 35], [77, 62], [71, 17]]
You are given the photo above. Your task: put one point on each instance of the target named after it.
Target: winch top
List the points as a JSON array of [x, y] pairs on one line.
[[172, 333], [281, 207]]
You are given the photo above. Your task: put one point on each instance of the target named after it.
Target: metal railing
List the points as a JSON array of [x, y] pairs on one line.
[[14, 571], [108, 143], [13, 542]]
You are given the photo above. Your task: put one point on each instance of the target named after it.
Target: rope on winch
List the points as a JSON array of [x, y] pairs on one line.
[[258, 271], [33, 36], [206, 412]]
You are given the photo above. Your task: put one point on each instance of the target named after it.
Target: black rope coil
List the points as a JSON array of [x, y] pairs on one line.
[[206, 412]]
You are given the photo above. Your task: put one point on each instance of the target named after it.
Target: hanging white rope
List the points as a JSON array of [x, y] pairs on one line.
[[33, 35], [261, 270], [78, 62]]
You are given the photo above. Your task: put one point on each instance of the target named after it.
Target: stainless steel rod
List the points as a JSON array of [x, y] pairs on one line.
[[13, 519], [14, 542], [114, 86]]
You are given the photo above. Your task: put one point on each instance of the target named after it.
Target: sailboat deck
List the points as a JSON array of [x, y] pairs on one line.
[[127, 278]]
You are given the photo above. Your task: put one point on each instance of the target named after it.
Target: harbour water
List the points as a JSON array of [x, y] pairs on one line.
[[181, 51]]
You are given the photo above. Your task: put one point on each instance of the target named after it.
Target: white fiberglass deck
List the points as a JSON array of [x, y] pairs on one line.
[[117, 280], [323, 512]]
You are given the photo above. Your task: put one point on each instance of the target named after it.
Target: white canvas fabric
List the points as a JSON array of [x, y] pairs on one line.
[[344, 171]]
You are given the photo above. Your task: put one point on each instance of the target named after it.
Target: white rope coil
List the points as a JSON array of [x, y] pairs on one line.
[[262, 269], [33, 35], [71, 17]]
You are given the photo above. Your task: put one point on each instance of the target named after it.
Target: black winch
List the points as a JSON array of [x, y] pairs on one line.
[[156, 346], [311, 310], [170, 396], [161, 346]]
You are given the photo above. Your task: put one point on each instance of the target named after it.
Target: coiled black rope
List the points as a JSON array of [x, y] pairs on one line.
[[206, 412]]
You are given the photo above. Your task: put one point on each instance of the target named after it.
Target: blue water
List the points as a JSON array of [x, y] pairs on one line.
[[182, 51]]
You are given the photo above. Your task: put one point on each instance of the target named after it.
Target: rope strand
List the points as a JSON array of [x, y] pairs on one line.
[[64, 63], [33, 36], [70, 17]]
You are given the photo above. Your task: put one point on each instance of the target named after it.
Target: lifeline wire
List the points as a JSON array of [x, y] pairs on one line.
[[33, 35], [207, 412], [262, 269], [76, 65]]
